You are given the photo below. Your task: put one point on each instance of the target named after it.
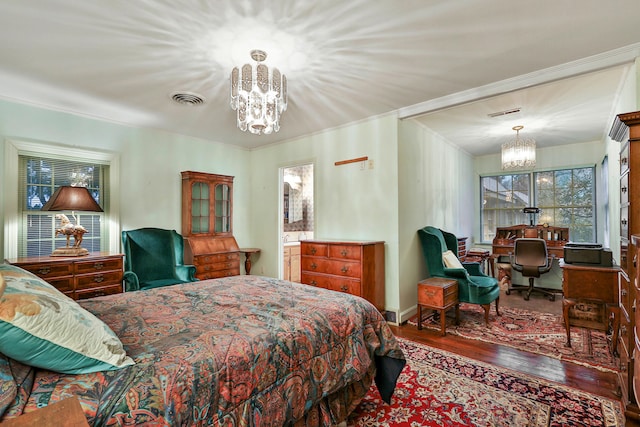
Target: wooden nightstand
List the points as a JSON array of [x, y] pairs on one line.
[[97, 274], [438, 294]]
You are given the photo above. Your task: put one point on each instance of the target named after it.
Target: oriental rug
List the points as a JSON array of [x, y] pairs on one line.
[[535, 332], [439, 388]]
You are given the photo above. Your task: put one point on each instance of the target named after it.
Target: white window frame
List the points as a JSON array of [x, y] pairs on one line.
[[12, 214]]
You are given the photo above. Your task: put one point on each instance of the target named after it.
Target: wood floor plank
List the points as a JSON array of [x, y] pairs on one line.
[[573, 375]]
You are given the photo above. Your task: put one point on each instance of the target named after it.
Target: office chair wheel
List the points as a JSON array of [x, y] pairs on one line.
[[552, 297], [526, 297]]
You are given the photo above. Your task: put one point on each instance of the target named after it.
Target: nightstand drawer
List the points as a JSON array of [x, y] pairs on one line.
[[437, 292]]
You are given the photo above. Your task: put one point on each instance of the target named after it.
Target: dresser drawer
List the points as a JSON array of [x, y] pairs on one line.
[[345, 252], [63, 284], [624, 221], [625, 295], [49, 270], [216, 258], [214, 274], [98, 265], [624, 189], [314, 249], [95, 280], [329, 266], [98, 292], [350, 286]]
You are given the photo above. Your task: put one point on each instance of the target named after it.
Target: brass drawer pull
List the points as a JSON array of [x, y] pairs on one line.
[[344, 252], [44, 270], [623, 221], [313, 250], [623, 189], [98, 265], [313, 282], [99, 278], [313, 266], [344, 288], [345, 268]]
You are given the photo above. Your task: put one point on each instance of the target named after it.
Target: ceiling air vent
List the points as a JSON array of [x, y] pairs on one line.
[[505, 112], [187, 98]]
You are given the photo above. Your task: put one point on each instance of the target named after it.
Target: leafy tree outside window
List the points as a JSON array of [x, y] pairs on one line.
[[566, 198]]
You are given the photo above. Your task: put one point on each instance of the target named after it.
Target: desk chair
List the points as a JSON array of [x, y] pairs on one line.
[[531, 259]]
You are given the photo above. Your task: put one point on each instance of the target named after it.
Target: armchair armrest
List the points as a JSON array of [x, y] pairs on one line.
[[473, 268], [131, 282], [456, 272], [186, 273]]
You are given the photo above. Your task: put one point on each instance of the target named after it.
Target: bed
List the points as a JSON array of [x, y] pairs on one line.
[[242, 350]]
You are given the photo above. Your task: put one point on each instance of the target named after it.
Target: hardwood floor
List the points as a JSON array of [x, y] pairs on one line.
[[570, 374]]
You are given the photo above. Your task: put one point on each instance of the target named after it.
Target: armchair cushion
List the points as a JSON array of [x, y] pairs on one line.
[[451, 260], [154, 257]]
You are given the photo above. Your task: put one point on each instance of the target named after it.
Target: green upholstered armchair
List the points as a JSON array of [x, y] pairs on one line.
[[153, 257], [474, 286]]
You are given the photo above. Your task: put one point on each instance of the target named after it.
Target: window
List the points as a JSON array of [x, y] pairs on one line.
[[503, 198], [38, 178], [566, 198]]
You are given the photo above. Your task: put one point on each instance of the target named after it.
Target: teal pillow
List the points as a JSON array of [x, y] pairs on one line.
[[42, 327]]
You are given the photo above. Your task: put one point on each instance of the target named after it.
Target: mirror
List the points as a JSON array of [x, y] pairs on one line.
[[298, 198]]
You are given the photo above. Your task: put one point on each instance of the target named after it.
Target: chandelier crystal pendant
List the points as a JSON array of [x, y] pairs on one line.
[[258, 96], [519, 153]]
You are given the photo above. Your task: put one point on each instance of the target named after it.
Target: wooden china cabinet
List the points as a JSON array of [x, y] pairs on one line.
[[626, 129], [207, 212]]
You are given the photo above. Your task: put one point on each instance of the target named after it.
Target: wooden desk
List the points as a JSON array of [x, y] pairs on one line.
[[591, 284]]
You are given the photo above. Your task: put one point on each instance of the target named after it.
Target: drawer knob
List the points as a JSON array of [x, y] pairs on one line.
[[313, 251], [98, 265], [313, 282], [44, 270], [345, 268], [344, 252], [313, 266], [623, 189], [623, 292], [344, 288], [624, 160], [99, 278], [623, 221]]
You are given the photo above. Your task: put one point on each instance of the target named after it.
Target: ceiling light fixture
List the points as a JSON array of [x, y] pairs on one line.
[[259, 97], [519, 153]]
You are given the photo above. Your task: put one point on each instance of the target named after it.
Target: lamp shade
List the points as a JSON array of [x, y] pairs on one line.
[[67, 198]]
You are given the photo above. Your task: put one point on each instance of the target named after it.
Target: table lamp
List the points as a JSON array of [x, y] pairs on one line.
[[68, 198]]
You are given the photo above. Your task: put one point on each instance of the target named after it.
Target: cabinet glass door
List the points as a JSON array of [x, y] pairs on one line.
[[200, 208], [222, 209]]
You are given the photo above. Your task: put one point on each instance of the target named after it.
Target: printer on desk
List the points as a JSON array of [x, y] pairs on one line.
[[587, 254]]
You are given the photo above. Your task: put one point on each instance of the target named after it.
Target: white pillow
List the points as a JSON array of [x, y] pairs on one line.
[[451, 260], [42, 327]]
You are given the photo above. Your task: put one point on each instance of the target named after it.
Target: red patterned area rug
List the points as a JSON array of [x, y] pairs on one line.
[[438, 388], [535, 332]]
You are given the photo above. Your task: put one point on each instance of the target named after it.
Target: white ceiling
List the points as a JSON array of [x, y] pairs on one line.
[[120, 60]]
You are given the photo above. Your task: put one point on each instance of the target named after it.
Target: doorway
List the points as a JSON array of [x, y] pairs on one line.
[[297, 216]]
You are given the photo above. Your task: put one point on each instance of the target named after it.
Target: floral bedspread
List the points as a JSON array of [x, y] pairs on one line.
[[243, 350]]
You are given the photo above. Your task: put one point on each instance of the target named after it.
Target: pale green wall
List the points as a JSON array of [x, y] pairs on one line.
[[435, 188], [351, 203], [150, 164]]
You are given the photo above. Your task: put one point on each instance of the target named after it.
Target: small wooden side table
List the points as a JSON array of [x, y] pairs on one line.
[[438, 294], [247, 257]]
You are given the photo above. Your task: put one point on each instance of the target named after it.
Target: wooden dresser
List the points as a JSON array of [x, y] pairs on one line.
[[97, 274], [207, 213], [626, 130], [353, 267]]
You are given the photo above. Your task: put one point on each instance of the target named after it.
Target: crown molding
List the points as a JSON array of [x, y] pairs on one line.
[[609, 59]]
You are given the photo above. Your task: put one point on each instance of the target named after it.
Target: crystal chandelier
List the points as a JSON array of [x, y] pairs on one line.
[[519, 153], [259, 97]]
